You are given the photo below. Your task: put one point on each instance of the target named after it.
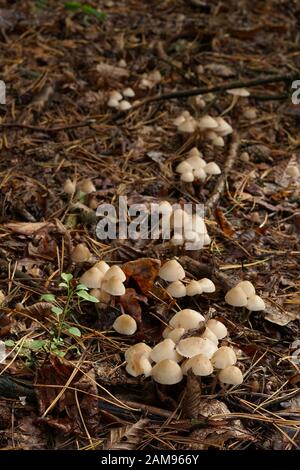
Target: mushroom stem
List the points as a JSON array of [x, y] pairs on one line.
[[213, 385], [234, 101]]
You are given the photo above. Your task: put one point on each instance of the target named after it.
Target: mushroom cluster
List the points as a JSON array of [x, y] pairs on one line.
[[120, 100], [187, 228], [173, 272], [104, 280], [150, 80], [243, 295], [212, 128], [194, 167], [85, 186], [181, 350]]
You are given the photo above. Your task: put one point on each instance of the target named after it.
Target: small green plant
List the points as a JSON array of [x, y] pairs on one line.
[[86, 9]]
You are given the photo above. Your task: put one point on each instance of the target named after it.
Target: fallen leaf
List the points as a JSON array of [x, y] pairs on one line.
[[278, 315], [28, 228], [143, 271], [127, 437]]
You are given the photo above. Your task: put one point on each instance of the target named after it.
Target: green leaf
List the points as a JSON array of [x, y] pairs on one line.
[[48, 297], [92, 11], [74, 331], [9, 343], [67, 277], [57, 310], [82, 287], [63, 284], [36, 345], [72, 6], [86, 296]]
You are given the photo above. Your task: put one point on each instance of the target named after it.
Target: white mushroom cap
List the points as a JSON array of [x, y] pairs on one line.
[[212, 169], [207, 285], [112, 103], [236, 297], [210, 335], [199, 364], [124, 105], [125, 325], [115, 271], [102, 266], [250, 113], [100, 295], [167, 372], [81, 253], [239, 92], [193, 288], [176, 289], [183, 167], [174, 334], [211, 135], [92, 278], [187, 319], [165, 207], [247, 287], [231, 375], [177, 240], [223, 127], [292, 171], [128, 92], [179, 120], [190, 347], [87, 186], [196, 162], [137, 350], [116, 95], [207, 239], [113, 286], [138, 366], [255, 303], [187, 177], [218, 141], [217, 327], [200, 174], [69, 186], [188, 126], [180, 218], [198, 224], [191, 236], [194, 152], [224, 357], [171, 271], [165, 350], [207, 122]]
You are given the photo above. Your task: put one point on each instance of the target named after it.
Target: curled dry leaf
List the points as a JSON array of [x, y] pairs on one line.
[[143, 271], [131, 305], [127, 437], [29, 228], [279, 315]]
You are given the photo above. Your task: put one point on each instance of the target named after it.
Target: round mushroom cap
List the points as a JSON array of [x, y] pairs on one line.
[[187, 319], [239, 92], [207, 122], [183, 167], [188, 126], [194, 152], [190, 347], [115, 271], [187, 177], [113, 286], [165, 207], [171, 271], [174, 334], [81, 253], [255, 303], [176, 289], [165, 350], [236, 297], [112, 103], [167, 372], [139, 365], [217, 327], [102, 266], [116, 95], [218, 141], [177, 240], [194, 288], [125, 325], [212, 169], [210, 335], [223, 357], [69, 186], [200, 174], [179, 120], [138, 349], [196, 162], [87, 186], [247, 287], [128, 92], [199, 224], [200, 365], [207, 285], [124, 105], [231, 375], [92, 278], [223, 128]]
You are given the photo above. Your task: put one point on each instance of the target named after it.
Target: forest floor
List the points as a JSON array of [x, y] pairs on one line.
[[65, 386]]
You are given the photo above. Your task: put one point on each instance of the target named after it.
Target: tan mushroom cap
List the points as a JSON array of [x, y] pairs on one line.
[[239, 92], [116, 95], [139, 365], [187, 177], [115, 271], [236, 297], [212, 169], [255, 303], [188, 126], [113, 286], [247, 287], [124, 105], [217, 327], [193, 346], [87, 186], [218, 141], [199, 364], [231, 375], [176, 289], [210, 335], [223, 128], [200, 174], [207, 122], [112, 103], [69, 186], [125, 325], [179, 120], [102, 296], [223, 357], [81, 253], [174, 334], [102, 266], [171, 271], [194, 152], [207, 285], [183, 167], [92, 278], [138, 349], [194, 288], [167, 372], [187, 319], [165, 350], [128, 92], [2, 297], [196, 162]]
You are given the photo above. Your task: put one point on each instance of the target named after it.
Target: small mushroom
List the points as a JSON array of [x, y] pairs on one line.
[[223, 128], [255, 303], [81, 253], [138, 349], [128, 92], [100, 295], [87, 186], [196, 162], [199, 364], [167, 372], [207, 122], [200, 174], [113, 286], [231, 375], [184, 167], [124, 105], [176, 289], [190, 347], [217, 327], [102, 266], [247, 287], [210, 335], [194, 288], [239, 92], [69, 186], [112, 103], [125, 325], [165, 350], [174, 334], [92, 278], [223, 357], [188, 126], [207, 285], [171, 271], [236, 297], [115, 95], [114, 271], [212, 169], [187, 177], [187, 319]]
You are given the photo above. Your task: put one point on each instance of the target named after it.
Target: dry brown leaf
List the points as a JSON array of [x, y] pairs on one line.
[[275, 314], [28, 228], [143, 271], [127, 437]]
